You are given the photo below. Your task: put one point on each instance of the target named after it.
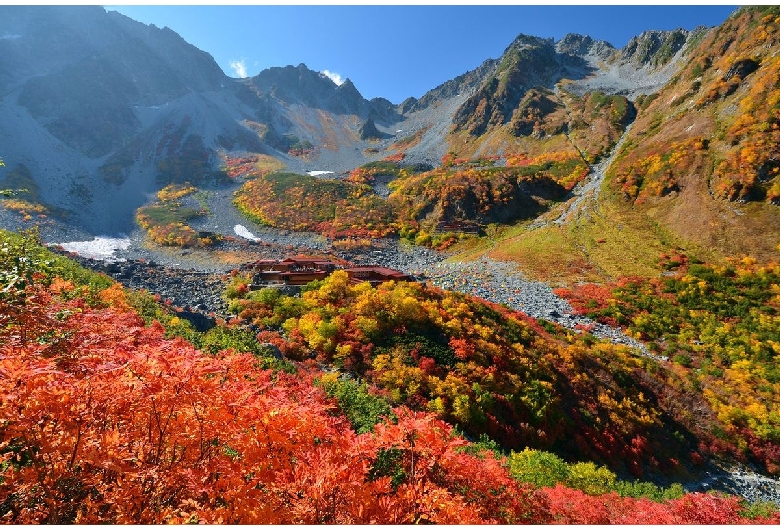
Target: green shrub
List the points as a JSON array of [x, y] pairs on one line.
[[240, 340], [221, 338], [648, 490], [389, 463], [539, 468], [267, 296], [362, 409], [22, 255], [588, 478], [238, 287], [683, 359], [758, 509], [482, 446]]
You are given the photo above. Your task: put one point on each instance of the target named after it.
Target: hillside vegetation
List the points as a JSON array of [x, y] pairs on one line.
[[306, 203], [115, 419], [166, 220], [696, 170], [460, 192], [720, 327], [655, 213], [707, 143]]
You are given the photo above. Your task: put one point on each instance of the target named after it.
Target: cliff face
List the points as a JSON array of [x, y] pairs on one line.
[[103, 66], [581, 63], [528, 62], [94, 100]]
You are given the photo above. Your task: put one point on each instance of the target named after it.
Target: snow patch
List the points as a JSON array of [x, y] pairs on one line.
[[101, 247], [244, 232], [318, 173]]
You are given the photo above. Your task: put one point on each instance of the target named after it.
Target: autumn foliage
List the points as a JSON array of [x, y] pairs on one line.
[[166, 219], [407, 142], [728, 91], [105, 420], [719, 326], [367, 173], [306, 203], [20, 193], [481, 366], [657, 174], [751, 170], [249, 166], [479, 191], [461, 191]]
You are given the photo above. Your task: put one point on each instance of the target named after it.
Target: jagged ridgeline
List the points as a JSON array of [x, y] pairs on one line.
[[125, 109]]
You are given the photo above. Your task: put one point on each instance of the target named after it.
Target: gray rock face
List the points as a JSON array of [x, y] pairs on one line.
[[528, 62], [369, 131], [643, 66], [103, 65], [654, 47], [583, 45], [299, 84], [296, 84], [463, 84]]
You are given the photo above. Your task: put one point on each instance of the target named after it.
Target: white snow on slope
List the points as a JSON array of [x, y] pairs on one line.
[[99, 248], [244, 232]]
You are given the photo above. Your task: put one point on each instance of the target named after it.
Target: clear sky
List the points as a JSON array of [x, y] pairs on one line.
[[397, 51]]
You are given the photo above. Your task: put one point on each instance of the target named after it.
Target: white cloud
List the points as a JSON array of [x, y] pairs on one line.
[[336, 78], [8, 36], [239, 67]]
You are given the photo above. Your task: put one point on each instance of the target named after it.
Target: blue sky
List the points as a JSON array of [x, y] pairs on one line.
[[397, 51]]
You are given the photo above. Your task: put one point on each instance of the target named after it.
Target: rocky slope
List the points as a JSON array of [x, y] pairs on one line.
[[701, 159], [101, 110], [119, 109]]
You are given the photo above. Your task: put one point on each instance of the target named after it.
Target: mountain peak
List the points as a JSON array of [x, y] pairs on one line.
[[656, 46], [347, 85], [581, 45], [524, 41]]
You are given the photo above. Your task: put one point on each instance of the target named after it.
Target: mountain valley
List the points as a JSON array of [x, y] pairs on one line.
[[594, 235]]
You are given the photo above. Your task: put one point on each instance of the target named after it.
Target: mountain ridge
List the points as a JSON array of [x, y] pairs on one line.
[[137, 108], [643, 183]]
